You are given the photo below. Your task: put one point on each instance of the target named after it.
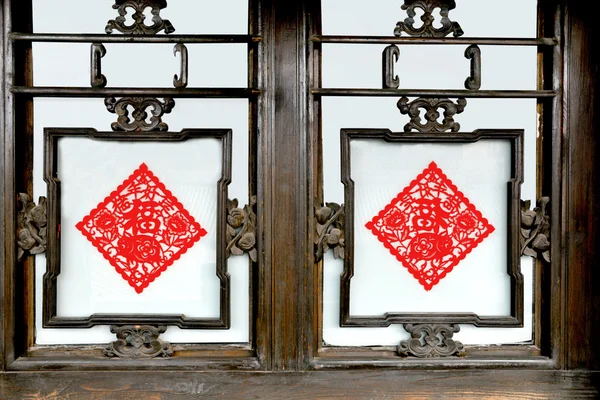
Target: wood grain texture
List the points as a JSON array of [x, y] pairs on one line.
[[581, 196], [301, 386]]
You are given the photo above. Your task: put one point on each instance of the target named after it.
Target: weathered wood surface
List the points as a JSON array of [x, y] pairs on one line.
[[310, 385]]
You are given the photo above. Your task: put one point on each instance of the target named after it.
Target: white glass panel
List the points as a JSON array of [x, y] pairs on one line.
[[374, 113], [187, 113], [429, 67], [141, 65], [89, 171], [477, 18], [187, 16]]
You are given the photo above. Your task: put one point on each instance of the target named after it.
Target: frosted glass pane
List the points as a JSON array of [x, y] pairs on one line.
[[430, 67], [479, 283], [203, 301], [513, 18], [187, 16], [382, 113], [141, 65]]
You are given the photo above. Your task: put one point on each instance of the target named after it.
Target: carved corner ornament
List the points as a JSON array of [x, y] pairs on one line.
[[139, 27], [329, 231], [427, 29], [535, 229], [431, 106], [140, 105], [241, 229], [31, 226], [138, 342], [431, 341]]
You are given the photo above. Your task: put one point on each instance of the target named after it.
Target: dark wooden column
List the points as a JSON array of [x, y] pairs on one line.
[[581, 198], [288, 177]]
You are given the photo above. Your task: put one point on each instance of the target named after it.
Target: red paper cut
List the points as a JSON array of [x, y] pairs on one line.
[[141, 228], [430, 226]]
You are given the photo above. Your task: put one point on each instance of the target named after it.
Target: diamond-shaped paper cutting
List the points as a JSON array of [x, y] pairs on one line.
[[430, 226], [141, 228]]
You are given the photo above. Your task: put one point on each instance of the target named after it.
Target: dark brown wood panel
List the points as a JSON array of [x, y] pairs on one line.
[[581, 198], [307, 386]]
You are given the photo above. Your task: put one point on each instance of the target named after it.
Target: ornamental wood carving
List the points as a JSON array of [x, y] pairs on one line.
[[138, 341], [241, 229], [430, 121], [329, 231], [140, 114], [31, 226], [431, 341], [535, 229], [427, 29], [139, 27]]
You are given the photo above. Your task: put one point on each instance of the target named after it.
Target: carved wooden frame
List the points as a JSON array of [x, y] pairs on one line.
[[53, 266], [514, 217]]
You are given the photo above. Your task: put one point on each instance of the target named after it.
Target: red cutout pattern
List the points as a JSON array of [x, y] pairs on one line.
[[430, 226], [141, 228]]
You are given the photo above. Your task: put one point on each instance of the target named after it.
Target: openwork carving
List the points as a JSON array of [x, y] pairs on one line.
[[139, 114], [431, 341], [141, 228], [430, 227], [431, 106], [180, 81], [241, 229], [31, 226], [427, 29], [535, 229], [329, 231], [138, 341], [138, 27]]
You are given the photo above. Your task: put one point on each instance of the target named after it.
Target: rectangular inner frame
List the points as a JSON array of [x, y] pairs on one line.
[[515, 319], [53, 256]]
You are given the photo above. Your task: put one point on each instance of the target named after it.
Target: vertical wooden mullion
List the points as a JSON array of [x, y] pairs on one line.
[[290, 180]]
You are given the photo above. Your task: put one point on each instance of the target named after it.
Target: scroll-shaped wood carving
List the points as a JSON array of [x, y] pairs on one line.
[[139, 27], [140, 115], [427, 29], [31, 226], [431, 106], [535, 229], [390, 56], [431, 341], [329, 231], [473, 53], [181, 81], [241, 229], [138, 341], [97, 80]]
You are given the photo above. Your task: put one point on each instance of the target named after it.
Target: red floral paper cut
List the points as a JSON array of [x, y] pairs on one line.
[[141, 228], [430, 226]]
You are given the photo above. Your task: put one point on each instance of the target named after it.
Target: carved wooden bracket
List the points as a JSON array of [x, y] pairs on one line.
[[431, 106], [140, 105], [97, 79], [138, 341], [427, 29], [535, 229], [329, 231], [31, 226], [138, 27], [180, 81], [390, 56], [241, 229], [431, 340], [473, 53]]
